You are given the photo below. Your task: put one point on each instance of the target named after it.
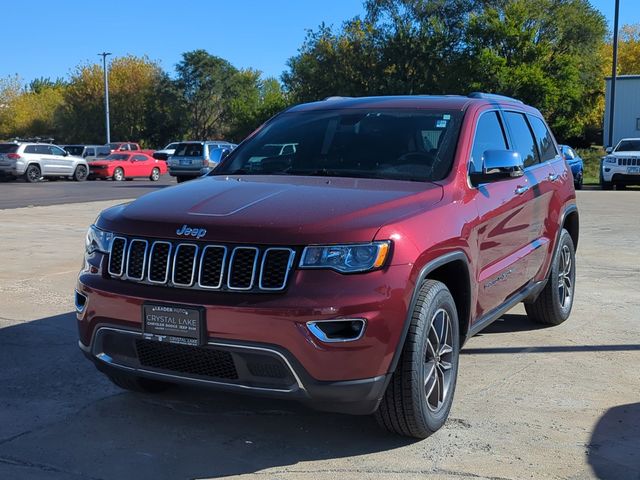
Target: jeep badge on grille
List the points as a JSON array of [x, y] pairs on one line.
[[186, 231]]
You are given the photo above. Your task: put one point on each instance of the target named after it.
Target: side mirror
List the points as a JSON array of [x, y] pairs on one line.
[[65, 154], [499, 165], [224, 154], [608, 149]]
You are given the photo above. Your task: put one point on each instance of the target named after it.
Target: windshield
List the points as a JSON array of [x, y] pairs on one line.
[[628, 146], [114, 146], [75, 150], [413, 145], [171, 146], [116, 156]]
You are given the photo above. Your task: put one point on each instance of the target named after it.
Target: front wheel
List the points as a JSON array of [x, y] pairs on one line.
[[81, 173], [553, 305], [420, 393], [155, 175], [118, 174]]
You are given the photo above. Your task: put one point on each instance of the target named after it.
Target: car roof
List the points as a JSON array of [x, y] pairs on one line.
[[448, 102]]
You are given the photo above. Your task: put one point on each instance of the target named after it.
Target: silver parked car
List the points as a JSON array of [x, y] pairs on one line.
[[34, 161], [88, 152], [194, 159]]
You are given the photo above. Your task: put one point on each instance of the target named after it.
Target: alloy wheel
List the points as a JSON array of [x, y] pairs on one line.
[[565, 277], [438, 360]]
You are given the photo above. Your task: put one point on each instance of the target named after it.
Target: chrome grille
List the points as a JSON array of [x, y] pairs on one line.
[[116, 257], [200, 266], [242, 268], [629, 162]]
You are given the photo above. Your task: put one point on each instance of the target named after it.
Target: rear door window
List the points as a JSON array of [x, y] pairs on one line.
[[522, 138], [31, 149], [546, 147], [133, 146], [489, 136]]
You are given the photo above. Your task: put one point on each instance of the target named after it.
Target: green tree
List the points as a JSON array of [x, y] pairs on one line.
[[542, 51], [206, 83], [133, 84]]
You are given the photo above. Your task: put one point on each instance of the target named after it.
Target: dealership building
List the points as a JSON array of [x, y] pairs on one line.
[[626, 122]]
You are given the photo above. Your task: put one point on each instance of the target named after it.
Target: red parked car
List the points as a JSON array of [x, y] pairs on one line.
[[121, 166], [347, 272]]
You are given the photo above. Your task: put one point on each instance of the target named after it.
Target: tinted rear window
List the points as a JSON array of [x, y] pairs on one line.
[[522, 138], [546, 147], [74, 150], [188, 150], [8, 148]]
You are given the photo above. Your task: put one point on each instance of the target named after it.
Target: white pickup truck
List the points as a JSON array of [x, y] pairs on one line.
[[621, 166]]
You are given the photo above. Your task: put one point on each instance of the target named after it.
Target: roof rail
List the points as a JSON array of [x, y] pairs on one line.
[[34, 140], [493, 96]]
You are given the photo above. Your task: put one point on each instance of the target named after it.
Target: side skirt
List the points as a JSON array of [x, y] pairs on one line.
[[531, 291]]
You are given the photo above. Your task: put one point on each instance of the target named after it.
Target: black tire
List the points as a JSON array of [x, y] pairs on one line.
[[605, 185], [81, 173], [118, 175], [32, 174], [155, 174], [553, 305], [621, 186], [137, 384], [181, 179], [420, 393]]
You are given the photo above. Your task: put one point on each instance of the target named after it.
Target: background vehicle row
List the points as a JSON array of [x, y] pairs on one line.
[[33, 161]]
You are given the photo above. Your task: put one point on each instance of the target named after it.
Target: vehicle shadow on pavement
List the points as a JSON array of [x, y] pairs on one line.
[[59, 415], [614, 448], [513, 322]]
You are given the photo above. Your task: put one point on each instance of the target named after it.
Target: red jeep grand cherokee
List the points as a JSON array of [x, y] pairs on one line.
[[345, 271]]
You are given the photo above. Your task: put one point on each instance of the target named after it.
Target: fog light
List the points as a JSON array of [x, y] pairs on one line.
[[80, 301], [342, 330]]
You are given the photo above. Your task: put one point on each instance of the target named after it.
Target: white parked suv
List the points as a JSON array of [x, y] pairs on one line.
[[34, 161], [621, 166]]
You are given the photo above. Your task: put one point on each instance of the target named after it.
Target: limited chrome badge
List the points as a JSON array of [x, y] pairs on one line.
[[186, 231]]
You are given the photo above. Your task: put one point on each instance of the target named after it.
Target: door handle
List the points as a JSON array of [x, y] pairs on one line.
[[553, 177], [521, 190]]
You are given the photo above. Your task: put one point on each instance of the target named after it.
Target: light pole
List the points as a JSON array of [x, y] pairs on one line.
[[106, 93], [614, 73]]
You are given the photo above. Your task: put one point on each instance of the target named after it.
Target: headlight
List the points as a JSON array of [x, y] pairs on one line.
[[610, 160], [346, 258], [97, 240]]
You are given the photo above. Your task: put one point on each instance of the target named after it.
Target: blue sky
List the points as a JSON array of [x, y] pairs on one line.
[[44, 38]]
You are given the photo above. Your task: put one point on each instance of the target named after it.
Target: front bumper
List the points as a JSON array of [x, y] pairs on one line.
[[621, 174], [263, 370], [347, 377]]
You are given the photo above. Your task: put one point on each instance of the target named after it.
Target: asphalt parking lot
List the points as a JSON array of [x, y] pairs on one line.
[[531, 402], [18, 193]]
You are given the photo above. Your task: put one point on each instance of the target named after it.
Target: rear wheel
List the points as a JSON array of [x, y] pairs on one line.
[[420, 393], [579, 182], [137, 384], [81, 173], [553, 305], [155, 175], [118, 174], [32, 174]]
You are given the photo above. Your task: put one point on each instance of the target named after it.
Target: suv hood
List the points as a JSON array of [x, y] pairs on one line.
[[273, 210]]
